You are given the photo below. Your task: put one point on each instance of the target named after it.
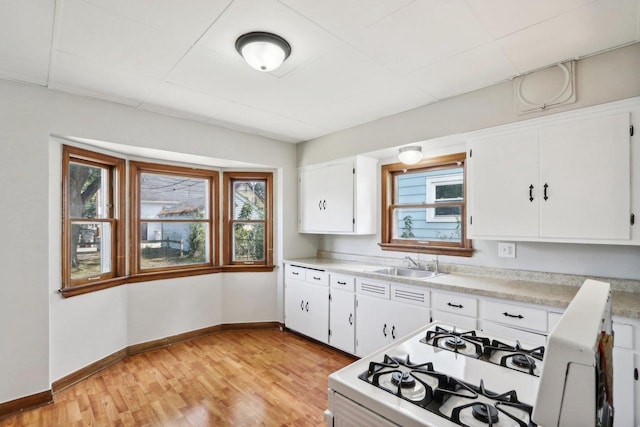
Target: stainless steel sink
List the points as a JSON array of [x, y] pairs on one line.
[[412, 273]]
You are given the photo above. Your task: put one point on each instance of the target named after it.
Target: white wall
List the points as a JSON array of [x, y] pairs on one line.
[[44, 337], [603, 78]]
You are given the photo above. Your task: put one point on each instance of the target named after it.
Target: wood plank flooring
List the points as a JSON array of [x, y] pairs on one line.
[[231, 378]]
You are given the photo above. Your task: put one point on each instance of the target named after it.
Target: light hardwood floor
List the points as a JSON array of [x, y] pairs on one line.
[[231, 378]]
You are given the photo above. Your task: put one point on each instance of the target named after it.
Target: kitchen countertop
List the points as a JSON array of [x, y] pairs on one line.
[[625, 304]]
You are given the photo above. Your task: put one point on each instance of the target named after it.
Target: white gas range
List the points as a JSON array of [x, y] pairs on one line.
[[444, 376]]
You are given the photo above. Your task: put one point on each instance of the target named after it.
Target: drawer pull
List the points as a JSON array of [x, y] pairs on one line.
[[455, 305], [302, 305], [515, 316], [351, 318], [317, 278], [384, 330], [295, 273], [393, 332], [307, 306], [341, 283]]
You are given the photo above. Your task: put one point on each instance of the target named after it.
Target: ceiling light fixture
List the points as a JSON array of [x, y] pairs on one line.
[[410, 155], [263, 51]]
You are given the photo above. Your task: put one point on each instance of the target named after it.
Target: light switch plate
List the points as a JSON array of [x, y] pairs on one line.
[[506, 250]]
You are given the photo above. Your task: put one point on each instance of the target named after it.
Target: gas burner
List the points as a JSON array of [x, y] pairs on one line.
[[454, 342], [467, 343], [484, 412], [403, 379], [523, 361]]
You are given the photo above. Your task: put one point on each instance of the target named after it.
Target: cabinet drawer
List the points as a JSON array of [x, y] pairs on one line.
[[294, 272], [464, 322], [458, 304], [516, 315], [372, 288], [411, 295], [317, 277], [342, 281]]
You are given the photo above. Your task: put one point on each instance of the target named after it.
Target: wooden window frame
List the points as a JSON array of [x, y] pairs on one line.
[[116, 218], [388, 243], [136, 169], [227, 219]]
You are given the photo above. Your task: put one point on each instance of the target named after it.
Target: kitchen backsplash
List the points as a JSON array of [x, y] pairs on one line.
[[530, 276]]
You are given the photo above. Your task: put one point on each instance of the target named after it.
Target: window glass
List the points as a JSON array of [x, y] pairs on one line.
[[424, 206]]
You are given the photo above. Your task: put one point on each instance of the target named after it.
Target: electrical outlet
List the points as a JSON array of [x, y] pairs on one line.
[[506, 250]]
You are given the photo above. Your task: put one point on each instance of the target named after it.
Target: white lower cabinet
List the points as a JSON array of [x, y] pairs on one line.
[[342, 320], [306, 305], [625, 382], [387, 312], [523, 322]]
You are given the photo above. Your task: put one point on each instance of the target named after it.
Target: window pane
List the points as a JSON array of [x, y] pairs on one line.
[[173, 197], [248, 241], [90, 250], [88, 195], [168, 244], [411, 224], [448, 191], [248, 199]]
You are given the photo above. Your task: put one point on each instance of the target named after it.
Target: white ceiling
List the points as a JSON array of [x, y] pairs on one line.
[[352, 61]]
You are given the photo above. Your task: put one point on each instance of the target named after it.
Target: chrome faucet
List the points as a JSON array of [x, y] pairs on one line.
[[435, 265], [411, 261]]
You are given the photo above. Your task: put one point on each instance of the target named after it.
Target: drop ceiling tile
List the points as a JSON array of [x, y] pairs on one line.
[[89, 32], [422, 33], [471, 70], [345, 18], [104, 81], [26, 29], [308, 41], [170, 99], [598, 26], [502, 17], [187, 22]]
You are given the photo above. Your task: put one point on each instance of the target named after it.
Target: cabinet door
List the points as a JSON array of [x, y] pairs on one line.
[[316, 312], [586, 167], [373, 328], [623, 387], [311, 194], [503, 169], [342, 320], [294, 305], [339, 197], [406, 318]]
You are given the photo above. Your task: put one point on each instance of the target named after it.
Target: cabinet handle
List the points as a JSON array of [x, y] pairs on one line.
[[324, 205], [545, 191], [455, 305], [306, 306], [320, 204], [302, 305], [531, 193], [393, 332], [351, 318], [341, 283], [316, 278], [295, 273], [515, 316], [384, 330]]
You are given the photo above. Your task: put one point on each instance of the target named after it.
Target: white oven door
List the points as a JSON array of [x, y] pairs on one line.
[[343, 412]]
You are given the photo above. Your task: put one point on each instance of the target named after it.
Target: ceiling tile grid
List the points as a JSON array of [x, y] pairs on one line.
[[352, 61]]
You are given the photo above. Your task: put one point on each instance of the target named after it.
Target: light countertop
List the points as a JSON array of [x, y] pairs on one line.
[[625, 304]]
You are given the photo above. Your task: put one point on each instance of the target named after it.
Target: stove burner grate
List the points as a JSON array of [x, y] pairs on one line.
[[469, 342], [403, 379]]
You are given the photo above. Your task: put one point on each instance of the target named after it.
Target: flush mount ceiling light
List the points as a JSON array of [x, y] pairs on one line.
[[410, 155], [263, 51]]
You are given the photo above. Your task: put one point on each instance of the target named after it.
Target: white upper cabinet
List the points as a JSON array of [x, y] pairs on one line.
[[557, 179], [338, 197]]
